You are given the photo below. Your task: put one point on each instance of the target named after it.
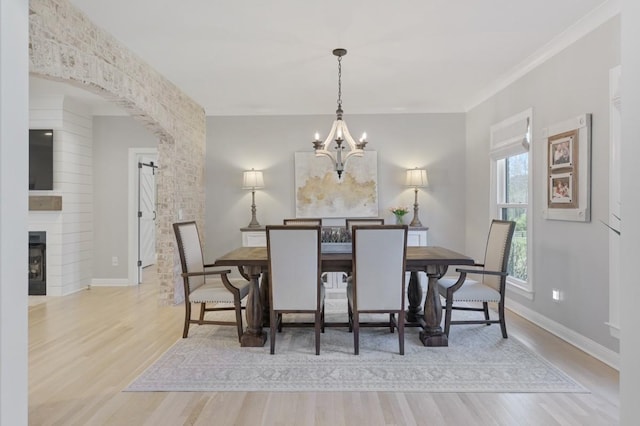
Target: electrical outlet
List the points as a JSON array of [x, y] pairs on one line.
[[556, 295], [114, 261]]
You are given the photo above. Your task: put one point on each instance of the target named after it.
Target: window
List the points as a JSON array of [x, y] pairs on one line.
[[511, 186], [512, 204]]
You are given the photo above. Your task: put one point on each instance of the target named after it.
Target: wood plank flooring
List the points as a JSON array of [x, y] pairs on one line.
[[86, 347]]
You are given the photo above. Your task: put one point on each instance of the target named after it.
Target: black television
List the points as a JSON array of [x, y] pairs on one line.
[[40, 159]]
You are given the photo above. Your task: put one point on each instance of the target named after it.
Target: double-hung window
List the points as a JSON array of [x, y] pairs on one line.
[[510, 193]]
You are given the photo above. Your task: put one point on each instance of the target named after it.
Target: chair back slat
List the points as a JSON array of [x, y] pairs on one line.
[[307, 221], [294, 266], [190, 251], [497, 251], [379, 266], [350, 223]]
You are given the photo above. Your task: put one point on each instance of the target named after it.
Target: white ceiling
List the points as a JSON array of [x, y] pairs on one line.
[[274, 57]]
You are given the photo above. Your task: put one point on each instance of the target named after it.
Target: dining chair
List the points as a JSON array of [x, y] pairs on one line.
[[204, 285], [303, 221], [490, 287], [351, 222], [377, 284], [294, 275]]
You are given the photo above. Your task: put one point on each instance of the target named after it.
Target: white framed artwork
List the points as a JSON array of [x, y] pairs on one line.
[[319, 192]]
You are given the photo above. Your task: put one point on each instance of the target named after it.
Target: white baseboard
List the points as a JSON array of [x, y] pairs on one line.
[[581, 342], [110, 282]]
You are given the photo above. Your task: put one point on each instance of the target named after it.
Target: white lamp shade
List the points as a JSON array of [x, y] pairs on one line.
[[252, 179], [417, 178]]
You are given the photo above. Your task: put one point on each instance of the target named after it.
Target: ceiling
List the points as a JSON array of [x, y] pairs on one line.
[[274, 57]]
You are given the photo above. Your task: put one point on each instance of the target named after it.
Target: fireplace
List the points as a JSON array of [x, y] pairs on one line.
[[37, 263]]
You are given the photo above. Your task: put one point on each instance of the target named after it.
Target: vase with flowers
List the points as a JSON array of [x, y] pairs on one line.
[[399, 213]]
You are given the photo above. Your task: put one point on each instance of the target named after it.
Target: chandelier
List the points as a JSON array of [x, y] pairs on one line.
[[339, 132]]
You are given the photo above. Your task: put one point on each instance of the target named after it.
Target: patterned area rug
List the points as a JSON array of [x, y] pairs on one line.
[[477, 359]]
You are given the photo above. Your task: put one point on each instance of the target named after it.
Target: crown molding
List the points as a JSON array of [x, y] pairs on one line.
[[584, 26]]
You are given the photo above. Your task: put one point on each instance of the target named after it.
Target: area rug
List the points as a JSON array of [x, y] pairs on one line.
[[477, 359]]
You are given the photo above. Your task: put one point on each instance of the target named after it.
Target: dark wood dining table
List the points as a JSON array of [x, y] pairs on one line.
[[431, 260]]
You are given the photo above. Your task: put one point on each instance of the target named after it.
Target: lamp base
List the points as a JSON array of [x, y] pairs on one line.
[[415, 221], [254, 222]]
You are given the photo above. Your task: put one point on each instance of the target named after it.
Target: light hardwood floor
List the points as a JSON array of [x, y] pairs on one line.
[[86, 347]]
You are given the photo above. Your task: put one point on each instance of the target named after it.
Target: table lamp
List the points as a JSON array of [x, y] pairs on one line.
[[252, 180], [416, 178]]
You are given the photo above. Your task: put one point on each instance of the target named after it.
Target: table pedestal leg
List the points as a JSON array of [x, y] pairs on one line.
[[254, 336], [414, 294], [432, 334]]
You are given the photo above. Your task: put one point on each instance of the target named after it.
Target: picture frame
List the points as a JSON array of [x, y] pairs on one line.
[[562, 190], [568, 170], [561, 150]]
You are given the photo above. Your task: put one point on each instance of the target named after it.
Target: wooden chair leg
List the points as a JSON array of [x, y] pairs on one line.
[[187, 318], [317, 327], [322, 319], [203, 306], [350, 317], [239, 319], [485, 308], [503, 323], [272, 329], [279, 322], [392, 320], [401, 331], [447, 315], [356, 332]]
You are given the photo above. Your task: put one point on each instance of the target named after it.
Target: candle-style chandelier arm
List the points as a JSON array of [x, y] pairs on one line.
[[327, 142]]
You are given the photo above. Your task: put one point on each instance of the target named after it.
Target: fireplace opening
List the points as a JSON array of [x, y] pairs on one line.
[[37, 263]]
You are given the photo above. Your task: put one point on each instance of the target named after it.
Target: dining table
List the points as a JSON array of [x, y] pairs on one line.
[[432, 260]]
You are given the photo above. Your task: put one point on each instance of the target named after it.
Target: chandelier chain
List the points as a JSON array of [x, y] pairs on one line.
[[339, 82]]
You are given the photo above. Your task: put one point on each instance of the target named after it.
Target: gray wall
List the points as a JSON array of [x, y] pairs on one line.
[[112, 138], [570, 256], [268, 143]]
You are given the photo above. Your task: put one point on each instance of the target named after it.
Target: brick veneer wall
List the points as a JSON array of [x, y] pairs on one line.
[[66, 46]]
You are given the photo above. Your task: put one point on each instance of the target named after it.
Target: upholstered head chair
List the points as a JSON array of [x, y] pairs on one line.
[[204, 285], [489, 287], [377, 284], [294, 275]]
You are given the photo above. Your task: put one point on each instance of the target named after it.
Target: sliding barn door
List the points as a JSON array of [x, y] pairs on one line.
[[147, 212]]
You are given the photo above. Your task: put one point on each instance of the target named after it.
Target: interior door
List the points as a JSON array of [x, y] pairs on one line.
[[147, 211]]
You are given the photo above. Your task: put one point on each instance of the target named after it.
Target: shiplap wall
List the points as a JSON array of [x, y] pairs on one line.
[[70, 231]]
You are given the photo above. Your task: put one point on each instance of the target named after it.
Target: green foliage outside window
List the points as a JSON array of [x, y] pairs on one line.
[[517, 266]]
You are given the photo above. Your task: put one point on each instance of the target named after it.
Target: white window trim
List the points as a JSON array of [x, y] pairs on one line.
[[503, 148]]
